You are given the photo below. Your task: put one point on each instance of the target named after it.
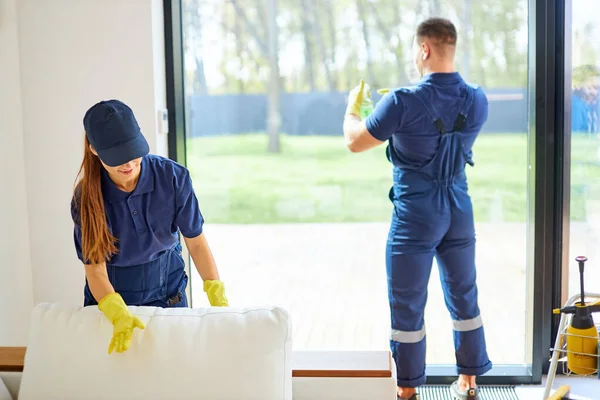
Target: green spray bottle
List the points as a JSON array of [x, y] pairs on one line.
[[366, 106]]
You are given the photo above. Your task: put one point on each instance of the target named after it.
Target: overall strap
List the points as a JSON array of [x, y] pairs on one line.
[[433, 113], [461, 118], [435, 116], [459, 123]]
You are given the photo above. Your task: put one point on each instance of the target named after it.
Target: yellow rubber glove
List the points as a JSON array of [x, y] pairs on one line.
[[215, 291], [359, 101], [115, 309], [383, 90]]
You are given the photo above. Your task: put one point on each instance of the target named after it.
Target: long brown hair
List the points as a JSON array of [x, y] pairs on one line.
[[97, 243]]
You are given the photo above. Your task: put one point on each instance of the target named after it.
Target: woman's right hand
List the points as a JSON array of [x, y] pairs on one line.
[[113, 306], [115, 309]]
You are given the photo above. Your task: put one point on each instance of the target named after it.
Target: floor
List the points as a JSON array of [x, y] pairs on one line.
[[581, 388], [331, 278]]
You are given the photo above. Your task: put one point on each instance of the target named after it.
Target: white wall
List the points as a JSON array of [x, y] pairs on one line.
[[72, 54], [15, 263]]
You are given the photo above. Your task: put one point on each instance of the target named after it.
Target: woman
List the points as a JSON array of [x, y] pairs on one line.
[[128, 208]]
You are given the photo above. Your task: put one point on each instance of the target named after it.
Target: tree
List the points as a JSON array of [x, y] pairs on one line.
[[360, 7], [270, 50], [389, 32], [319, 38], [193, 23], [239, 47], [274, 46], [435, 8], [467, 35], [329, 17], [273, 113], [308, 44]]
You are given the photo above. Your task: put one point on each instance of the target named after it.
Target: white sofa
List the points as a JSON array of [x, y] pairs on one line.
[[212, 354], [216, 353]]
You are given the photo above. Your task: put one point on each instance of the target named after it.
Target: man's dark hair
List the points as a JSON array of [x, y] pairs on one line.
[[440, 30]]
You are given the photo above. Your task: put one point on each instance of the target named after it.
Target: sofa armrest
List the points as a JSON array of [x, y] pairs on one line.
[[12, 359]]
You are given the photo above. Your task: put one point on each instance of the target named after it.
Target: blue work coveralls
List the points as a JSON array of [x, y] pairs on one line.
[[432, 217]]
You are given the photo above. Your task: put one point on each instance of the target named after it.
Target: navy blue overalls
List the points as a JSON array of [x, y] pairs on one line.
[[433, 217], [158, 283]]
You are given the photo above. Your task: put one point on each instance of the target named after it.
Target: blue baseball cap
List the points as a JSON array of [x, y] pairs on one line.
[[114, 133]]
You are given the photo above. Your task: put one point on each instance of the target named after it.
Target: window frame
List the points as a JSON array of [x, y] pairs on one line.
[[549, 157]]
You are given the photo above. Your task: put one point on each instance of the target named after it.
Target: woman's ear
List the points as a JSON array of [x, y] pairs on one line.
[[93, 151]]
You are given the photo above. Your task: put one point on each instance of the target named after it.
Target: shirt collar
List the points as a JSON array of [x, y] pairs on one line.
[[442, 77], [145, 184]]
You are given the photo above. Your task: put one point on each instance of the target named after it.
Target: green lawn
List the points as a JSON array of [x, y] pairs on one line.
[[315, 179]]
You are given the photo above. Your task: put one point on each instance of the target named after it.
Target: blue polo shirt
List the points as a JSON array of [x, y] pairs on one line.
[[146, 221], [401, 114]]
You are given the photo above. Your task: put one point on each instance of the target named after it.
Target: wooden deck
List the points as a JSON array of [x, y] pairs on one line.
[[331, 278]]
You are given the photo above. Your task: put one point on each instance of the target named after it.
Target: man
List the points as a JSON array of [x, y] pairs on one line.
[[431, 128]]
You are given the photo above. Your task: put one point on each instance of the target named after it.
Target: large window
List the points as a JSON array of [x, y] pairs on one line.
[[293, 217], [585, 144]]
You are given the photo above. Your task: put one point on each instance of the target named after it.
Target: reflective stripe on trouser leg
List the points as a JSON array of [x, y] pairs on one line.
[[409, 357], [408, 275], [456, 259]]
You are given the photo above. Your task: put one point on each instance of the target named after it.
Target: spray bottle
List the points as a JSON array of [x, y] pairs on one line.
[[582, 335], [366, 106]]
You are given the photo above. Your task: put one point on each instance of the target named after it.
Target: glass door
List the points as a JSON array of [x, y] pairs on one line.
[[582, 98], [257, 92]]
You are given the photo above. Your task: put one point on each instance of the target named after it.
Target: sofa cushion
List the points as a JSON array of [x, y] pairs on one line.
[[216, 353]]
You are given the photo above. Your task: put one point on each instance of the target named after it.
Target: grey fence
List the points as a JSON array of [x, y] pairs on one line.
[[321, 113]]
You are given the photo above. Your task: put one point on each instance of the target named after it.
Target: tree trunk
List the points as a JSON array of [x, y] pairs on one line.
[[260, 11], [399, 50], [465, 64], [273, 112], [435, 9], [239, 46], [332, 39], [365, 29], [478, 48], [308, 45], [419, 12], [200, 76], [386, 32], [251, 28], [319, 38], [271, 52], [195, 23]]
